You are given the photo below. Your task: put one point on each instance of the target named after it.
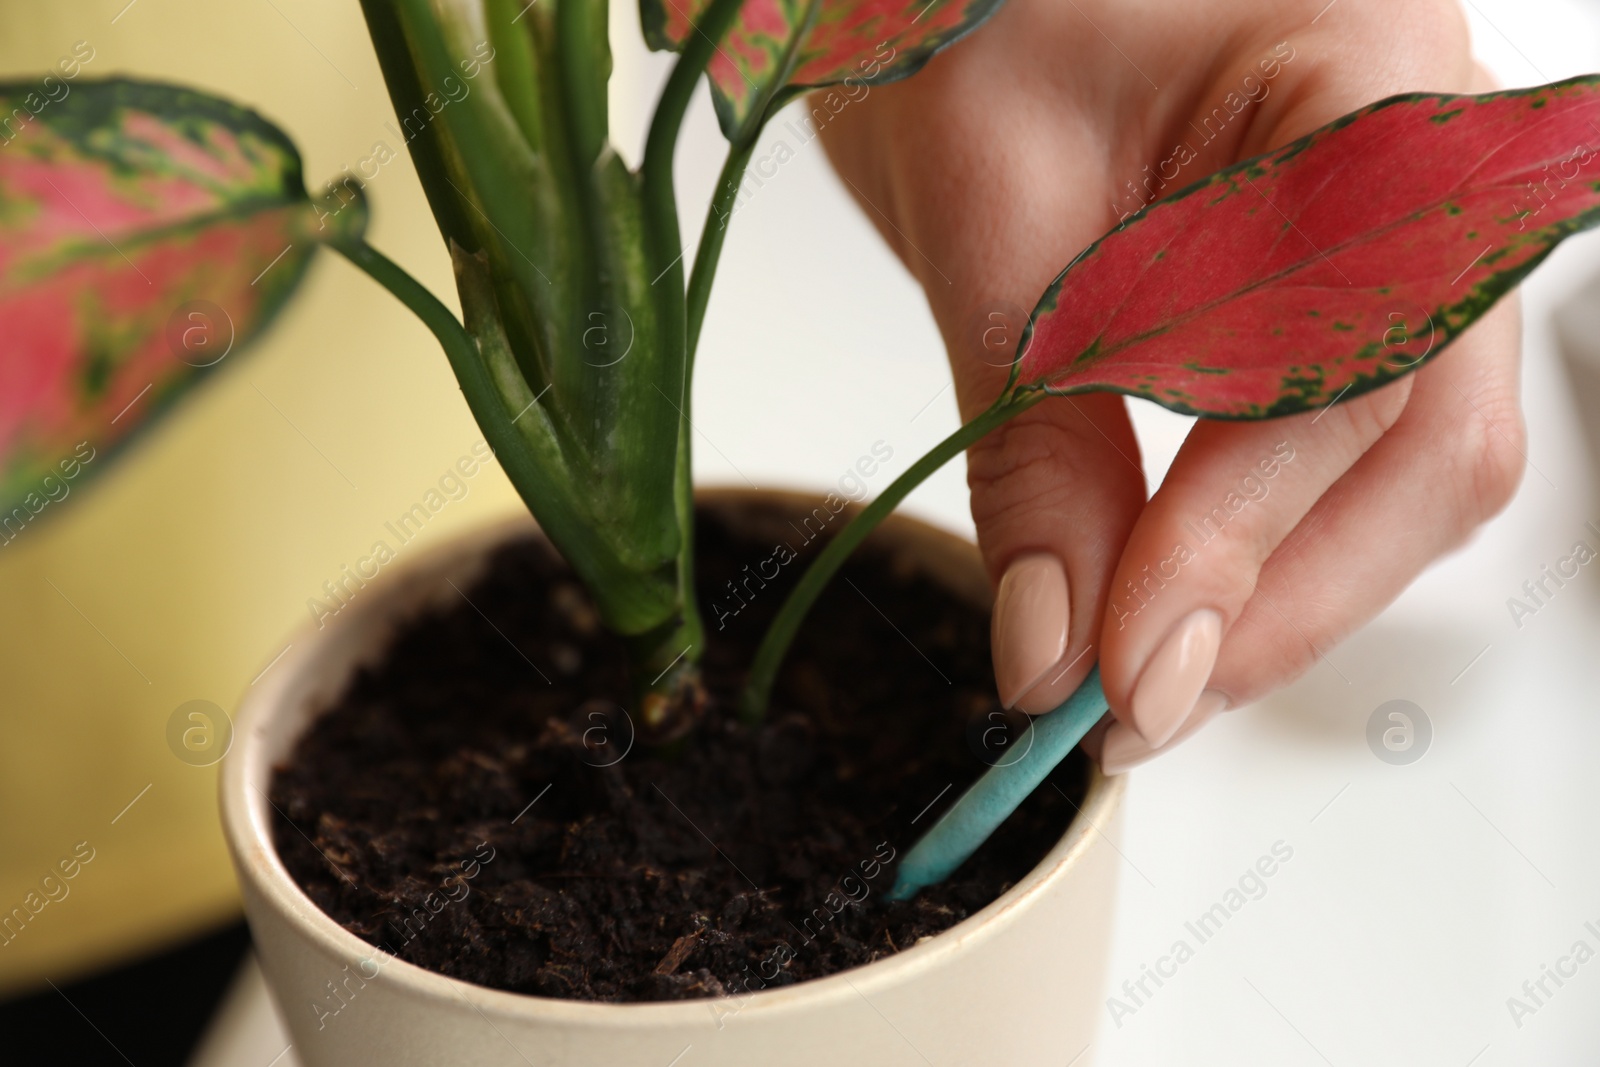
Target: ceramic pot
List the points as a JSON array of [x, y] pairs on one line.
[[1017, 984]]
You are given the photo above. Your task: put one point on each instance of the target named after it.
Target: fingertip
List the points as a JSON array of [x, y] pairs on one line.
[[1056, 685], [1173, 680], [1094, 741], [1123, 748], [1028, 633]]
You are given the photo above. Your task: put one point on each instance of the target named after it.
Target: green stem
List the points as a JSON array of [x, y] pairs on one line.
[[780, 634], [407, 95], [658, 190], [691, 633], [453, 337], [462, 351], [630, 600], [718, 215], [585, 68], [665, 248], [662, 140]]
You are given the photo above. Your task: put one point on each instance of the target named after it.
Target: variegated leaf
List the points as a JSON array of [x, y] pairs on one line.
[[146, 232], [778, 48], [1330, 266]]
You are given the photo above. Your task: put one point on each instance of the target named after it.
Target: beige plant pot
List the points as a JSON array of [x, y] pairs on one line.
[[1018, 984]]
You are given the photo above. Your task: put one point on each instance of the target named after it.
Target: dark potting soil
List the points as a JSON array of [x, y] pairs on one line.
[[477, 804]]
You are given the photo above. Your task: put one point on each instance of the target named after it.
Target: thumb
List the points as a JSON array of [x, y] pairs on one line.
[[986, 183], [1055, 492]]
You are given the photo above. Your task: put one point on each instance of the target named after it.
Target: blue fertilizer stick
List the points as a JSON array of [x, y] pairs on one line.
[[992, 798]]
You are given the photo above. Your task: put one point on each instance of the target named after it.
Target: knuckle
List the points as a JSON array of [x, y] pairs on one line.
[[1383, 407], [1443, 24], [1364, 419], [1017, 469], [1491, 458], [1039, 464], [1263, 659], [1264, 650]]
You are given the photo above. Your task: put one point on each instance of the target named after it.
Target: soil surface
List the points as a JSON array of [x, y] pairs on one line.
[[476, 805]]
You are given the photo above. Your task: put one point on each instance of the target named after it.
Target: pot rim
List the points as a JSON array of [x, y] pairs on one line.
[[247, 767]]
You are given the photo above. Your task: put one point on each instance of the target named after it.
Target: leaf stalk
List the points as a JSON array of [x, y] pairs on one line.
[[780, 634]]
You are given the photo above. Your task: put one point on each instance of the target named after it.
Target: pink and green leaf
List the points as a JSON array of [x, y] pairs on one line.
[[145, 232], [1328, 267], [779, 48]]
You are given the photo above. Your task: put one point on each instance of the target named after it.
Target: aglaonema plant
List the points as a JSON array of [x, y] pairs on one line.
[[581, 315], [1274, 287]]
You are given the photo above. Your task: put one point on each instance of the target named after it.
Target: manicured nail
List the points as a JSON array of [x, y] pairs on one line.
[[1172, 680], [1124, 748], [1056, 686], [1029, 630]]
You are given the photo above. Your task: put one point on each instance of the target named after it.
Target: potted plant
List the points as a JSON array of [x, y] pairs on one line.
[[383, 800]]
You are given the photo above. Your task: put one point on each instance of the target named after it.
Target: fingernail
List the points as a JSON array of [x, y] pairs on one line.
[[1124, 748], [1047, 694], [1171, 683], [1029, 630]]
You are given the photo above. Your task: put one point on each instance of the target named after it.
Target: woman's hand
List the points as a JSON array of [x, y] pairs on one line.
[[1268, 542]]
